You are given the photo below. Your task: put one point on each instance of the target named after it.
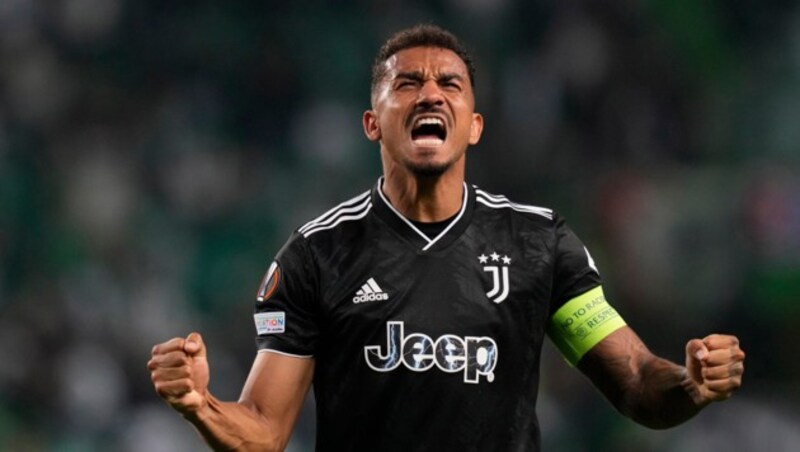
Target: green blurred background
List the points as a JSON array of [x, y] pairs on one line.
[[155, 155]]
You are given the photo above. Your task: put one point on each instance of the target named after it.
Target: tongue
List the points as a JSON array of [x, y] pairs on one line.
[[428, 140]]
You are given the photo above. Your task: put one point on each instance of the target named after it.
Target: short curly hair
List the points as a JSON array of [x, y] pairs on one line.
[[423, 35]]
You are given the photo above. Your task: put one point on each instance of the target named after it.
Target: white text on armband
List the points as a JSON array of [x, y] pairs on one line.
[[582, 323]]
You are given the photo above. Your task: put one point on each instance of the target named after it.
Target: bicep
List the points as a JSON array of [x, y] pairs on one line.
[[276, 388]]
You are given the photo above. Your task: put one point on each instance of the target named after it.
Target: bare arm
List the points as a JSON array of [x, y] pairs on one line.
[[263, 417], [659, 393]]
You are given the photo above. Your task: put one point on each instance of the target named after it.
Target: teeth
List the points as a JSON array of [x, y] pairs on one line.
[[423, 121]]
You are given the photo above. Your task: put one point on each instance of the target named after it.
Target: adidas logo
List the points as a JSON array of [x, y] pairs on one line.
[[370, 291]]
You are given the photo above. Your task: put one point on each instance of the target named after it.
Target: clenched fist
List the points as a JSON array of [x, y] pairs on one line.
[[179, 371], [715, 365]]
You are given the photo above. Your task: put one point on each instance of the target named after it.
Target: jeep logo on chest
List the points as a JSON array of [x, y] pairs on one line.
[[475, 356]]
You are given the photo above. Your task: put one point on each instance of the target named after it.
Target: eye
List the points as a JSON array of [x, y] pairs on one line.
[[451, 85]]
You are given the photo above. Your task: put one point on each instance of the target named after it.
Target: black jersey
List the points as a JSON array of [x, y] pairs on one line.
[[423, 343]]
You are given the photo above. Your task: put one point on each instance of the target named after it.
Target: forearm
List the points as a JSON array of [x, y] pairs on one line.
[[662, 395], [650, 390], [263, 417], [229, 426]]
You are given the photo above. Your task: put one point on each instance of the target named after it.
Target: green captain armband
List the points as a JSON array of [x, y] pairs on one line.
[[581, 323]]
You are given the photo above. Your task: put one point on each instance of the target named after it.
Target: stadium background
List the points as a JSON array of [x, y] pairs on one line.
[[155, 155]]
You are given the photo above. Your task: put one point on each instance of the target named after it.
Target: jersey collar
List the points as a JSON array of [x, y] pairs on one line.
[[404, 227]]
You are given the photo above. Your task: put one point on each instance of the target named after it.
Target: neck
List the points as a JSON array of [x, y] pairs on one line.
[[425, 199]]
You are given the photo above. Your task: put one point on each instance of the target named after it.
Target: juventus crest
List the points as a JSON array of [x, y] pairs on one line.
[[498, 268]]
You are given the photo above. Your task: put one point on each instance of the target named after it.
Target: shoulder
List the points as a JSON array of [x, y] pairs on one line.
[[331, 230], [354, 209], [501, 204]]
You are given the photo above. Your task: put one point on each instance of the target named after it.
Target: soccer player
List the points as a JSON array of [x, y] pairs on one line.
[[418, 308]]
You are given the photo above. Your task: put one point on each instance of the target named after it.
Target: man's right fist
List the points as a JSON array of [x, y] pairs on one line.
[[179, 371]]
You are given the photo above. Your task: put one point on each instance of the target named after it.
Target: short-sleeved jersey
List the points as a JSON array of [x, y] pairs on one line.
[[423, 343]]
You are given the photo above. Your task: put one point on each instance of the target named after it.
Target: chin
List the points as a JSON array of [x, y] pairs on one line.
[[429, 169]]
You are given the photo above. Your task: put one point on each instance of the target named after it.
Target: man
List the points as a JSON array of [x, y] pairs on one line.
[[418, 309]]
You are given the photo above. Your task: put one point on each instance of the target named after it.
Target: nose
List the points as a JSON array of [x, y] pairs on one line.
[[430, 94]]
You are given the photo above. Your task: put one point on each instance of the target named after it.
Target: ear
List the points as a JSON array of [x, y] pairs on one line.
[[475, 128], [372, 128]]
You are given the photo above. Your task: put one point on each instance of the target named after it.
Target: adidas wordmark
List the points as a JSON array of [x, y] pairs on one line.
[[370, 291]]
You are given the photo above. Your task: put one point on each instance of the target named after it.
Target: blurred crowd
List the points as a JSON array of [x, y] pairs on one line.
[[154, 156]]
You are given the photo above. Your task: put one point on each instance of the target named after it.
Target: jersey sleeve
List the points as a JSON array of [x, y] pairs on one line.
[[575, 270], [286, 303], [580, 317]]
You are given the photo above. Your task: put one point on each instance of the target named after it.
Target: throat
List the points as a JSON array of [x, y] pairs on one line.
[[424, 198]]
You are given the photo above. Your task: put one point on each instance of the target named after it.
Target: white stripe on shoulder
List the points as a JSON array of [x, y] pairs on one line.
[[501, 202], [349, 206], [338, 219], [278, 352]]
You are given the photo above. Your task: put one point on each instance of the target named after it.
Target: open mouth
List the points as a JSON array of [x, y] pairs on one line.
[[428, 131]]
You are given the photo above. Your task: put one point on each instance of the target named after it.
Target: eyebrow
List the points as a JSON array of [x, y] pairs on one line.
[[418, 76]]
